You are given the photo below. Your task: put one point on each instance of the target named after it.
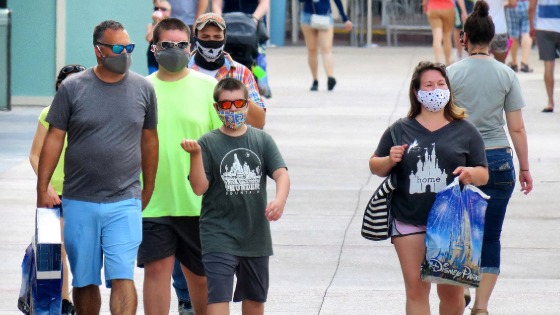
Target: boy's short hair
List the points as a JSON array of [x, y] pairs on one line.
[[167, 25], [229, 84]]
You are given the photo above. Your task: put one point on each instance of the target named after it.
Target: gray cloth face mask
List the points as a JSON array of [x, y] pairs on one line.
[[172, 59], [117, 64]]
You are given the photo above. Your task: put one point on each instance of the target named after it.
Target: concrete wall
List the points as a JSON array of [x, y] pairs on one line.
[[35, 24], [33, 47]]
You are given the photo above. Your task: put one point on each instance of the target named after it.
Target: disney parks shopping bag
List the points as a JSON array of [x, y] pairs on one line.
[[454, 236]]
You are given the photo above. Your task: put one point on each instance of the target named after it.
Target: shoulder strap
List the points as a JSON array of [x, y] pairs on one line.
[[396, 132]]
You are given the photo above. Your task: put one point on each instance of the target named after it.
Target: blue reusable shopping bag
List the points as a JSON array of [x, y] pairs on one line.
[[454, 236]]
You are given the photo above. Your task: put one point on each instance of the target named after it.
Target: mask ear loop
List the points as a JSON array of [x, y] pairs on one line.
[[99, 49]]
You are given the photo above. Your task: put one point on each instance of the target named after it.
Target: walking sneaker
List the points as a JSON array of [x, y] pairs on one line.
[[185, 308], [331, 82], [67, 308], [314, 86]]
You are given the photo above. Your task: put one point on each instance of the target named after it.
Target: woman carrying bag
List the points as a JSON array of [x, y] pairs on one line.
[[318, 32], [438, 144], [490, 90]]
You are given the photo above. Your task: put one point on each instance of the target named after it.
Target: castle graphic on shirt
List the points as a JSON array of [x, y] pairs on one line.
[[240, 170], [429, 177]]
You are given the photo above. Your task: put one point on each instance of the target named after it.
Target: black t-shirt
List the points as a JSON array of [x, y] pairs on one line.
[[428, 164]]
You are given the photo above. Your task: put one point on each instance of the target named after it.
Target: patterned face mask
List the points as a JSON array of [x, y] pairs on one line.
[[233, 119], [434, 100]]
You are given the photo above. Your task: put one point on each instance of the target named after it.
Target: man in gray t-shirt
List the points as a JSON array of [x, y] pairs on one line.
[[110, 117]]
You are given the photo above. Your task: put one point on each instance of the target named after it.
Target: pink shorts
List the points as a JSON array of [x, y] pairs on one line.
[[404, 229]]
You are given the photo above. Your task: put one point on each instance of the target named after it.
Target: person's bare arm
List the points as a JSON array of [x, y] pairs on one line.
[[197, 176], [36, 146], [518, 134], [50, 153], [463, 10], [531, 13], [381, 166], [150, 158], [201, 7], [34, 155], [217, 6], [256, 116], [275, 208], [261, 9], [149, 32]]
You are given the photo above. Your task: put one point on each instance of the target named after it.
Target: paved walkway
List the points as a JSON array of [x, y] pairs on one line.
[[321, 264]]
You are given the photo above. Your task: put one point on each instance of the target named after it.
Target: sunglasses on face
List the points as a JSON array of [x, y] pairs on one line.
[[117, 49], [70, 69], [227, 104], [168, 45], [162, 9]]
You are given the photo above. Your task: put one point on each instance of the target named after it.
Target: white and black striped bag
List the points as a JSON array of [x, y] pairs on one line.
[[377, 222]]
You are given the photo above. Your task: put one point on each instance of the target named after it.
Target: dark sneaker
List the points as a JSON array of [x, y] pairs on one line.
[[314, 86], [67, 308], [331, 83], [525, 68], [185, 308]]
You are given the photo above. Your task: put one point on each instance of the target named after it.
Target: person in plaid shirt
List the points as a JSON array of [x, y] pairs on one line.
[[211, 59]]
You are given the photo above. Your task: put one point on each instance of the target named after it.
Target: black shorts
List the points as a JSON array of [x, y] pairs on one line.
[[251, 272], [172, 236]]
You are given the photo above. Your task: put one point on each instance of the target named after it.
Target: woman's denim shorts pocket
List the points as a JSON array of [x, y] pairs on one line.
[[500, 167]]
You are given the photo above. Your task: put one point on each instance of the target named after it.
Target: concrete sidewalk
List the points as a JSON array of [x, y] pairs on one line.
[[321, 264]]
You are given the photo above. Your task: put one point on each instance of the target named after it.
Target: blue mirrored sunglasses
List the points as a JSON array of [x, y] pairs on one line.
[[117, 49]]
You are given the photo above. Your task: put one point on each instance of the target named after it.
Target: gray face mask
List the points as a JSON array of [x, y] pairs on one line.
[[117, 64], [172, 59]]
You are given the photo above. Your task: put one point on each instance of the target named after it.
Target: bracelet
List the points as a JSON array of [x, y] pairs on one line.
[[523, 170]]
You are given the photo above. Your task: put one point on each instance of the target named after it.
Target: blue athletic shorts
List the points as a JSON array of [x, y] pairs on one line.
[[102, 235]]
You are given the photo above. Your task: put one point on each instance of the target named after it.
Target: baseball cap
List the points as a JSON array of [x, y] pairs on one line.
[[210, 17]]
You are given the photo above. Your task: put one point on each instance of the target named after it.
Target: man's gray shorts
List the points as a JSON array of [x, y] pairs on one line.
[[549, 44], [251, 272]]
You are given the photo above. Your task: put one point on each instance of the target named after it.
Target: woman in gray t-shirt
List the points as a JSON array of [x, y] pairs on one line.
[[487, 89]]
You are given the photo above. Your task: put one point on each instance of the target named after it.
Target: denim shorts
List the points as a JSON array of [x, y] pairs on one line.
[[305, 18], [500, 186], [251, 272], [102, 235]]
